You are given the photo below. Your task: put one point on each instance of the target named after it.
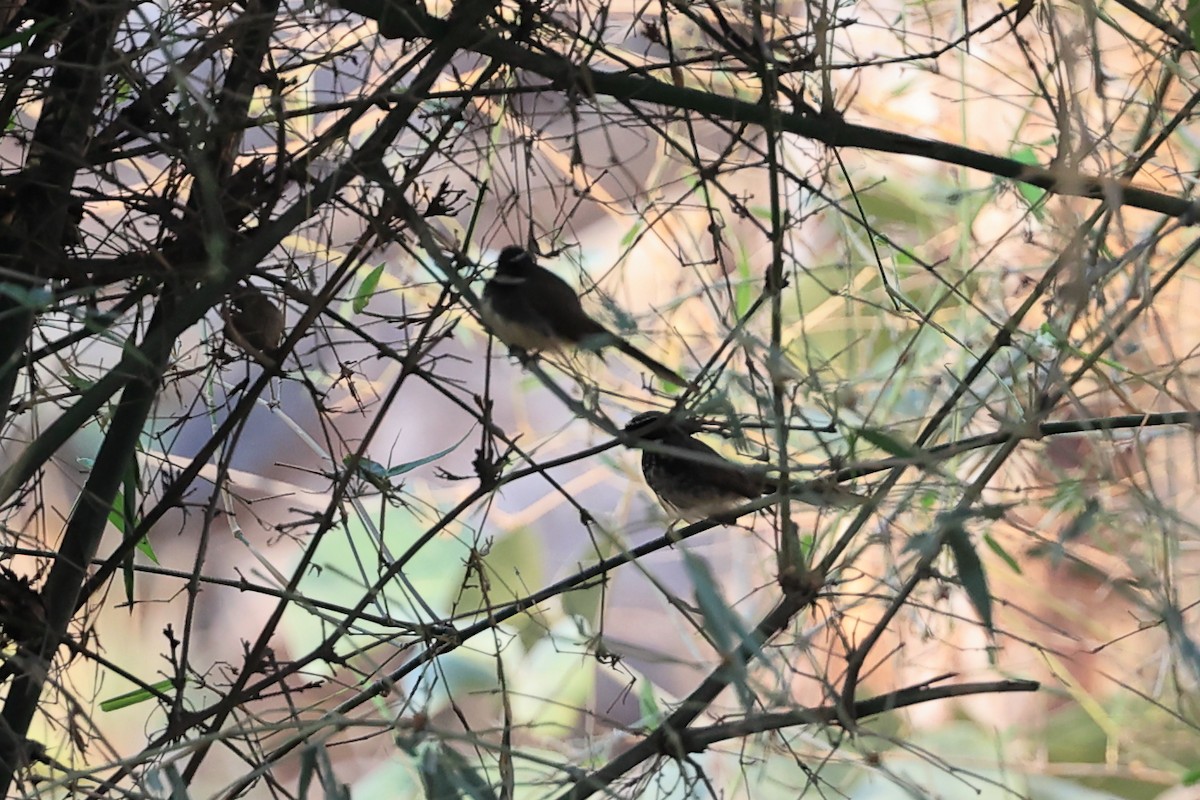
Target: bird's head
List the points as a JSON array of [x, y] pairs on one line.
[[247, 299], [513, 260], [657, 426]]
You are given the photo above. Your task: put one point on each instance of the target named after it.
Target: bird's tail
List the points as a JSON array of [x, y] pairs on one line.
[[661, 370], [824, 494]]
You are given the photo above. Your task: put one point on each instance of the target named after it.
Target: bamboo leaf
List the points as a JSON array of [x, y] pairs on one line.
[[366, 289]]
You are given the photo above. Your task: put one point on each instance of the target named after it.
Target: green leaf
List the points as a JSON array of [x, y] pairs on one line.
[[924, 544], [367, 468], [743, 290], [999, 550], [1082, 523], [76, 382], [178, 784], [137, 696], [652, 715], [143, 545], [124, 91], [370, 471], [23, 36], [970, 573], [35, 298], [333, 789], [123, 515], [128, 496], [1192, 16], [446, 775], [720, 622], [1191, 777], [889, 444], [1032, 195], [420, 462], [808, 544], [308, 768], [375, 472], [1048, 330], [723, 625], [366, 289]]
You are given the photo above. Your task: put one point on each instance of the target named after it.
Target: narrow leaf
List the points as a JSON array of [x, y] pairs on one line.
[[1192, 16], [970, 573], [924, 544], [329, 782], [648, 705], [23, 36], [446, 775], [631, 236], [1032, 195], [137, 696], [34, 299], [367, 468], [889, 443], [400, 469], [744, 288], [178, 784], [308, 768], [723, 625], [999, 550], [1082, 523]]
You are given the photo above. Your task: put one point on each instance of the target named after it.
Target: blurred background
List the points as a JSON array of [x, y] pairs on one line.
[[352, 560]]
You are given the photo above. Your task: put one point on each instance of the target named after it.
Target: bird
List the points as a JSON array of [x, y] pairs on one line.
[[530, 308], [695, 482], [254, 323]]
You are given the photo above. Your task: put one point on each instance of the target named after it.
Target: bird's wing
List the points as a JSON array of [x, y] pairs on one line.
[[711, 467], [553, 299]]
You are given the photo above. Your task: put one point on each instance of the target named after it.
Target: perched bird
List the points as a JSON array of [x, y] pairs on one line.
[[530, 308], [254, 323], [696, 482]]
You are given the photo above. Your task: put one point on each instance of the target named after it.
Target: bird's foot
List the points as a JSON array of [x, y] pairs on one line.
[[524, 357]]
